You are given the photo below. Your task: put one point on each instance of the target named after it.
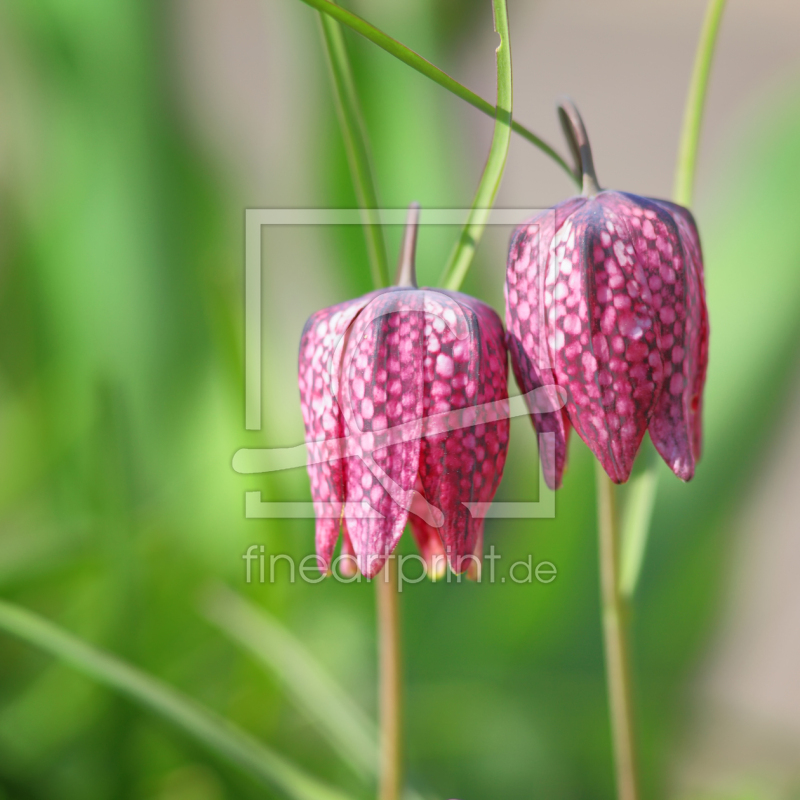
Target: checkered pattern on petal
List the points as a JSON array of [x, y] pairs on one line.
[[321, 347], [622, 309], [466, 387], [382, 392], [530, 271], [607, 354], [696, 280]]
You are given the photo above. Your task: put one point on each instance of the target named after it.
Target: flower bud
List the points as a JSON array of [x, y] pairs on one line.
[[400, 391], [605, 297]]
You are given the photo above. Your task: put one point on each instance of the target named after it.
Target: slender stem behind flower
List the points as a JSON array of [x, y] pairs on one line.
[[406, 266], [695, 105], [356, 142], [618, 672], [390, 678], [460, 259], [424, 67]]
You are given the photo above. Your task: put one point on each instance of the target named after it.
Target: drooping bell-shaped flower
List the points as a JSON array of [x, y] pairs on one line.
[[605, 297], [404, 399]]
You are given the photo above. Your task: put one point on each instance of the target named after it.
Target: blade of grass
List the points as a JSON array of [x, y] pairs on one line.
[[424, 67], [695, 104], [336, 715], [641, 495], [356, 144], [639, 502], [461, 258], [219, 735]]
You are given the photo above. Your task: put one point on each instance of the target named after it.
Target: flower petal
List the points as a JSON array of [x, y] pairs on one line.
[[381, 391], [531, 261], [662, 241], [347, 561], [699, 344], [607, 354], [320, 353], [429, 543], [466, 391]]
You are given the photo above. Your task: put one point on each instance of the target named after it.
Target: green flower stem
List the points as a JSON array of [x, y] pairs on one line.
[[219, 735], [461, 258], [423, 66], [641, 496], [695, 104], [390, 693], [357, 146], [618, 671]]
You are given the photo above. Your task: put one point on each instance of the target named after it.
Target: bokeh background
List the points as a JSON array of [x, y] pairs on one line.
[[133, 136]]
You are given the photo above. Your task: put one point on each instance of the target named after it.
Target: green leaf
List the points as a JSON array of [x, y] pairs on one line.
[[356, 144], [217, 734], [325, 703], [423, 66], [462, 255]]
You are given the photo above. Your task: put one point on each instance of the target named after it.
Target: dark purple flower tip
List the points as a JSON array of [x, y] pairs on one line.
[[400, 391], [605, 297]]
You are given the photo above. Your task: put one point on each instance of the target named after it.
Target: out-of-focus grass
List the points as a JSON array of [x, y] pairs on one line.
[[121, 405]]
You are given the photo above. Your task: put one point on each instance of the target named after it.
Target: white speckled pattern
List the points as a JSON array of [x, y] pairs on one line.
[[604, 296], [391, 359]]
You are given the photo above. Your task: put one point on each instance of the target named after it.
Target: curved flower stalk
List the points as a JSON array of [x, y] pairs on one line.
[[605, 297], [404, 399]]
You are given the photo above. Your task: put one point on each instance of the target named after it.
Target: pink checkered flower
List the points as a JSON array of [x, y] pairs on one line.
[[404, 399], [605, 298]]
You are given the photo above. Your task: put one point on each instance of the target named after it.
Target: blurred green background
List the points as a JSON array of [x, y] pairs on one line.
[[133, 135]]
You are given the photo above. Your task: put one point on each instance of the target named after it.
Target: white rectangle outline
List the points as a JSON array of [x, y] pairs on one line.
[[255, 219]]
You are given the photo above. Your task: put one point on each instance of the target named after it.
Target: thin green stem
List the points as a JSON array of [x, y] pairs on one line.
[[406, 263], [464, 251], [390, 692], [219, 735], [423, 66], [641, 496], [618, 671], [695, 105], [356, 144]]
